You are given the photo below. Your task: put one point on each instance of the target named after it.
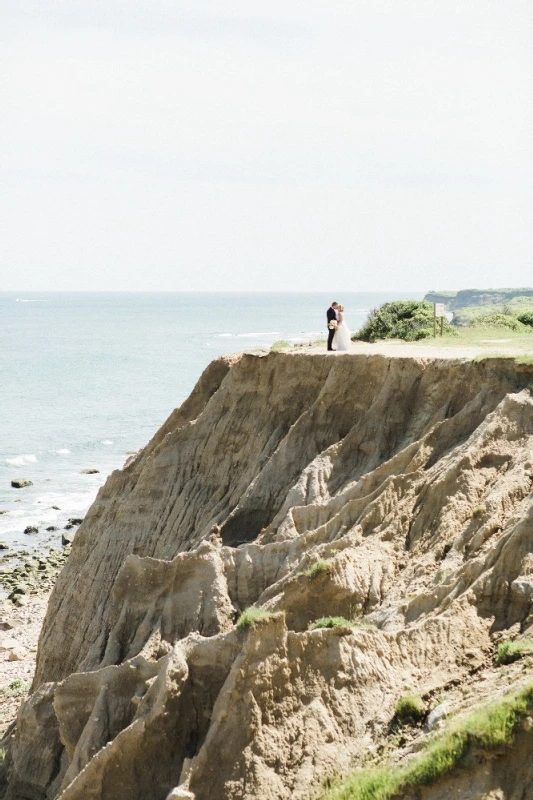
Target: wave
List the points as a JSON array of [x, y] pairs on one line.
[[63, 451], [21, 461], [251, 335], [107, 441], [22, 300]]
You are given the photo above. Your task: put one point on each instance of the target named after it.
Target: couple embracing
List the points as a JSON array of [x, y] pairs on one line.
[[338, 331]]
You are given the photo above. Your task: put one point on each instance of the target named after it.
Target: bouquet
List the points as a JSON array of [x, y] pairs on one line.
[[333, 324]]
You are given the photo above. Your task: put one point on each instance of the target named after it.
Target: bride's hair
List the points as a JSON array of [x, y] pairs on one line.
[[341, 308]]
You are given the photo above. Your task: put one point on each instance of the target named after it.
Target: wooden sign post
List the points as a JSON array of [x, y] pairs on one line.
[[438, 311]]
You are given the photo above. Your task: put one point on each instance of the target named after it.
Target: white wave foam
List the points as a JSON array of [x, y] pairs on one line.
[[63, 451], [223, 335], [21, 461], [22, 300], [254, 334], [107, 441]]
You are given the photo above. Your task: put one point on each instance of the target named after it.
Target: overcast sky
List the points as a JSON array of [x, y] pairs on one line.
[[280, 145]]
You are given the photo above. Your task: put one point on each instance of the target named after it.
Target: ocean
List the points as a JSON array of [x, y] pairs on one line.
[[88, 378]]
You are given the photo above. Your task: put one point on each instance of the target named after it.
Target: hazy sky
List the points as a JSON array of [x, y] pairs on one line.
[[228, 144]]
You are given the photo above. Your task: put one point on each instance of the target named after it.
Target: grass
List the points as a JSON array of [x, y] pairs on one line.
[[331, 622], [512, 651], [323, 565], [16, 688], [280, 345], [491, 728], [410, 710], [252, 615]]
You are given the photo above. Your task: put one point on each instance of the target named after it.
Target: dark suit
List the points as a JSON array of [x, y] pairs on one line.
[[331, 332]]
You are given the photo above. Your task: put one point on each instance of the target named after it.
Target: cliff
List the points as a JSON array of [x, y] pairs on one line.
[[393, 492], [476, 297]]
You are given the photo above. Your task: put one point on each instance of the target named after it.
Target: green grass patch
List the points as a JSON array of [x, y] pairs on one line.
[[280, 345], [331, 622], [252, 615], [410, 710], [512, 651], [492, 727], [320, 567], [16, 688]]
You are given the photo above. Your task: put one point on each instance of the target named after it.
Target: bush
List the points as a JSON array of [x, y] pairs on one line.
[[331, 622], [319, 567], [495, 320], [281, 344], [478, 512], [16, 688], [410, 710], [512, 651], [410, 320], [252, 615], [526, 318]]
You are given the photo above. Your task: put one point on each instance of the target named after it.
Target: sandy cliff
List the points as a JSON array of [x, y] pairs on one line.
[[409, 481]]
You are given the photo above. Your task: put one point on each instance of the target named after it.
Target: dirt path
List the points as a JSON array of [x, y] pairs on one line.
[[496, 347]]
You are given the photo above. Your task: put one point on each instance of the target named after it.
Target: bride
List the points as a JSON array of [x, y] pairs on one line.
[[341, 340]]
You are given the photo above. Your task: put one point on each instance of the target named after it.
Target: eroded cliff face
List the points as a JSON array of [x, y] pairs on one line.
[[411, 479]]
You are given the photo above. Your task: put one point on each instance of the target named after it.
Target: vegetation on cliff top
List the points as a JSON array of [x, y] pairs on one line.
[[410, 320], [490, 728]]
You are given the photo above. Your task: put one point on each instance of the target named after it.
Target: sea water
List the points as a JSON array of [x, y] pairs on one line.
[[86, 379]]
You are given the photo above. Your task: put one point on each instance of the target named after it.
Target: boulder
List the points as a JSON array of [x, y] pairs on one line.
[[19, 653], [75, 520], [51, 528], [89, 471], [436, 717], [31, 529], [67, 538], [21, 483], [8, 643], [4, 546]]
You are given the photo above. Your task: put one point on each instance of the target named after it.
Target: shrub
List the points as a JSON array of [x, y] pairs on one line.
[[410, 320], [478, 512], [526, 318], [512, 651], [252, 615], [490, 728], [16, 688], [280, 345], [331, 622], [410, 710], [495, 319], [321, 566]]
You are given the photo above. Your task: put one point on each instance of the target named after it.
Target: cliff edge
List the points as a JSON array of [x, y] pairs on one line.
[[394, 493]]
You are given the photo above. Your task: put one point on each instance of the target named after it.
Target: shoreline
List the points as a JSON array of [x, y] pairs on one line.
[[26, 586]]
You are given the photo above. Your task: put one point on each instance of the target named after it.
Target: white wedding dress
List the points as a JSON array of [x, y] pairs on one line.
[[341, 340]]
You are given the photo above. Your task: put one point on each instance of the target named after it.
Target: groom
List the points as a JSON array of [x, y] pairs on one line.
[[332, 316]]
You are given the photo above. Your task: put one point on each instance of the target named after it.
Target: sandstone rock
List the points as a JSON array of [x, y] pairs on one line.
[[307, 487], [21, 483], [180, 794], [67, 538], [18, 653], [436, 716], [7, 643]]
